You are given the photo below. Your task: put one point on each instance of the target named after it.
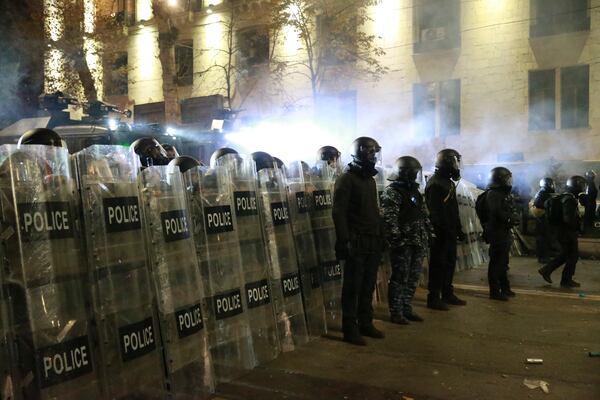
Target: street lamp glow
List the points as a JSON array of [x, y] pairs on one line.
[[172, 3]]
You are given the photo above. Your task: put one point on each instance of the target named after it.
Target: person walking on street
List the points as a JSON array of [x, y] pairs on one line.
[[440, 196], [562, 211], [408, 232], [359, 240]]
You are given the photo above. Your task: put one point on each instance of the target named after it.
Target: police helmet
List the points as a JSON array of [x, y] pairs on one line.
[[149, 151], [500, 177], [329, 154], [262, 160], [170, 150], [590, 175], [279, 163], [185, 163], [407, 169], [448, 160], [576, 185], [43, 136], [547, 184], [220, 153], [365, 149]]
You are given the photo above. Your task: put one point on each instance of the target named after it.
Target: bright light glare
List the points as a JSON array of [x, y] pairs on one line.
[[112, 124], [171, 131], [172, 3], [287, 141]]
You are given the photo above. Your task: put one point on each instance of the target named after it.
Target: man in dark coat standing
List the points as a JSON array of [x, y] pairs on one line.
[[359, 239], [500, 215], [440, 195]]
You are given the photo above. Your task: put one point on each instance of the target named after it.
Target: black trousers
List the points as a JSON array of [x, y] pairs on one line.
[[498, 266], [442, 263], [360, 276], [545, 238], [569, 254]]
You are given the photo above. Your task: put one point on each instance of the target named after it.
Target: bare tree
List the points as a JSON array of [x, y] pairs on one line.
[[334, 44], [247, 49], [167, 38]]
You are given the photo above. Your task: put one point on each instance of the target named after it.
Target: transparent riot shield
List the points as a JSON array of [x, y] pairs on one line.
[[300, 200], [221, 271], [283, 264], [44, 276], [255, 262], [122, 293], [330, 269], [6, 386], [177, 282]]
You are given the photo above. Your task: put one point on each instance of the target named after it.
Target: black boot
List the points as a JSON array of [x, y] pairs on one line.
[[370, 331], [399, 319], [435, 303], [545, 274], [498, 295], [351, 334], [454, 300]]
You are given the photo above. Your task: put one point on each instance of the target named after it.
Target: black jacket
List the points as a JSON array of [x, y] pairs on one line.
[[501, 215], [540, 198], [440, 195], [355, 207]]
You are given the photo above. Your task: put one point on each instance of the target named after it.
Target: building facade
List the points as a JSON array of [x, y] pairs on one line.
[[502, 81]]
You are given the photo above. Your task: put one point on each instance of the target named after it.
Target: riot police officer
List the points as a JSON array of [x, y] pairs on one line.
[[408, 231], [43, 136], [564, 214], [170, 150], [440, 195], [590, 200], [500, 216], [150, 152], [359, 239], [545, 237], [329, 154]]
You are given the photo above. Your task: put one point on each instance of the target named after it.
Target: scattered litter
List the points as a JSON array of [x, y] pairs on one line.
[[407, 398], [535, 361], [581, 294], [504, 376], [534, 384], [594, 354], [436, 372]]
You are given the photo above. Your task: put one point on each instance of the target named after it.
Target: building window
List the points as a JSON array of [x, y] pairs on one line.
[[253, 45], [184, 63], [574, 97], [551, 17], [116, 75], [436, 107], [125, 11], [542, 95], [437, 25], [573, 101]]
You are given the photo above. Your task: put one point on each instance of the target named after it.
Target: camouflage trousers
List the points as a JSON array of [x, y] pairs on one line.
[[407, 263]]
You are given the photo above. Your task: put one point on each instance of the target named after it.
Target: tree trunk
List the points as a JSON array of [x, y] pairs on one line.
[[85, 75], [167, 36]]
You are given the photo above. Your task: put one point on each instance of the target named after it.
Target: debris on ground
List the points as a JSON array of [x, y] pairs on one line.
[[535, 361], [534, 384]]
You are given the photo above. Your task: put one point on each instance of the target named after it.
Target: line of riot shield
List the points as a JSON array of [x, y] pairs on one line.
[[323, 181], [43, 277], [300, 200], [222, 275], [291, 323], [258, 289], [177, 282], [130, 361]]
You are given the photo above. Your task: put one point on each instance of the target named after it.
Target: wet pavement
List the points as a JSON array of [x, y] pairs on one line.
[[478, 351]]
